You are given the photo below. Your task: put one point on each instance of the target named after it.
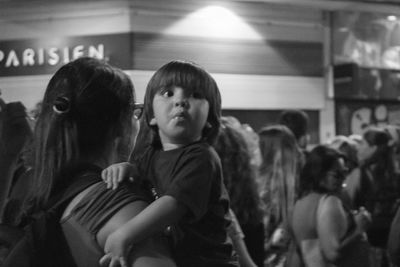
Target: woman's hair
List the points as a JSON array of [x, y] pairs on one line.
[[376, 136], [296, 120], [278, 171], [86, 105], [189, 76], [320, 160], [394, 134], [239, 174], [348, 147], [383, 157]]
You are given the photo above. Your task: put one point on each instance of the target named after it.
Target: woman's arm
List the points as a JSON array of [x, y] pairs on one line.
[[152, 252], [153, 219], [332, 226], [236, 234], [245, 259]]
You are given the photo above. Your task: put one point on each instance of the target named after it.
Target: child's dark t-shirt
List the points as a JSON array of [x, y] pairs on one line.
[[193, 176]]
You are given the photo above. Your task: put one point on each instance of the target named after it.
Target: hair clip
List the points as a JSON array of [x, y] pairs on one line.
[[61, 105]]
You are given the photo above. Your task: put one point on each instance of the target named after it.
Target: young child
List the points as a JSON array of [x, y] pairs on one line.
[[182, 107]]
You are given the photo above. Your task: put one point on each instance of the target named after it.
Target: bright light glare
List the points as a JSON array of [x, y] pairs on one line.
[[214, 21], [391, 18]]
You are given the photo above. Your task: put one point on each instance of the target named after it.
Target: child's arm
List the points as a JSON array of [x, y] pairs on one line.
[[155, 218], [116, 173]]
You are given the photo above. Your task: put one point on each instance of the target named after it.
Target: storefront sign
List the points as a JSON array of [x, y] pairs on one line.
[[45, 56]]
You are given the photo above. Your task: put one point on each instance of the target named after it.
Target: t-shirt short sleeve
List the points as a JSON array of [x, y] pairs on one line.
[[194, 175]]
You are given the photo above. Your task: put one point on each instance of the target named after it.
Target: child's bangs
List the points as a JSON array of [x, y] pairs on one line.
[[189, 79]]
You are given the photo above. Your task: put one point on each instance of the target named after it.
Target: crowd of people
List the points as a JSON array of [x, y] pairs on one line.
[[172, 182]]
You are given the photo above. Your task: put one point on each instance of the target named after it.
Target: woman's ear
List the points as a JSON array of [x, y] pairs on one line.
[[153, 122]]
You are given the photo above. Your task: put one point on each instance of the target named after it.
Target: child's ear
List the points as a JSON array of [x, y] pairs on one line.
[[153, 122]]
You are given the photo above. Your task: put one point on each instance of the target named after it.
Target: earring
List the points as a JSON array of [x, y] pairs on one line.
[[153, 122], [208, 125]]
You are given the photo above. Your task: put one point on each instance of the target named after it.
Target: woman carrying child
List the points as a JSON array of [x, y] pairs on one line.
[[89, 120]]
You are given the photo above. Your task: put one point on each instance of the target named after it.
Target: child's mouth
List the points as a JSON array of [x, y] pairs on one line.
[[180, 117]]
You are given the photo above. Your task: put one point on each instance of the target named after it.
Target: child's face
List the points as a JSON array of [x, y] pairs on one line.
[[180, 115]]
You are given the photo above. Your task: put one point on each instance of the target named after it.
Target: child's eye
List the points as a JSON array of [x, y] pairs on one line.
[[197, 95], [166, 92]]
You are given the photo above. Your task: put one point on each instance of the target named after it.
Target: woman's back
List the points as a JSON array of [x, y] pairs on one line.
[[317, 242], [304, 217], [325, 230]]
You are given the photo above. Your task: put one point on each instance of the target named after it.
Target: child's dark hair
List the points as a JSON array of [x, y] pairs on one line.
[[189, 76], [86, 104]]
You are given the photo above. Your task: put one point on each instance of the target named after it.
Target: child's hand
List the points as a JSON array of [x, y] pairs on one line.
[[116, 173], [116, 251]]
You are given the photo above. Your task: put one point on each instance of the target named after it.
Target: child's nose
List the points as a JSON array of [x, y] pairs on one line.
[[180, 98], [182, 102]]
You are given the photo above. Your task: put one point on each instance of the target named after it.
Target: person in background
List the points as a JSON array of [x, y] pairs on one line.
[[89, 120], [240, 181], [393, 245], [251, 138], [378, 188], [297, 121], [351, 186], [14, 134], [394, 143], [22, 173], [182, 107], [325, 230], [277, 177]]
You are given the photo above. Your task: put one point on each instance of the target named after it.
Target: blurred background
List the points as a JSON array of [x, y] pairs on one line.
[[337, 60]]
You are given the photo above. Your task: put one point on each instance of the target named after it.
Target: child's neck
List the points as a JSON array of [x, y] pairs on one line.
[[171, 146], [168, 144]]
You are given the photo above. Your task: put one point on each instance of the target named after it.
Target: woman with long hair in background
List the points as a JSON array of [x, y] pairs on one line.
[[277, 180], [240, 181]]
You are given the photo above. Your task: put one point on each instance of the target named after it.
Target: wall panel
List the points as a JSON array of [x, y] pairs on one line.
[[276, 64], [229, 56], [271, 21]]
